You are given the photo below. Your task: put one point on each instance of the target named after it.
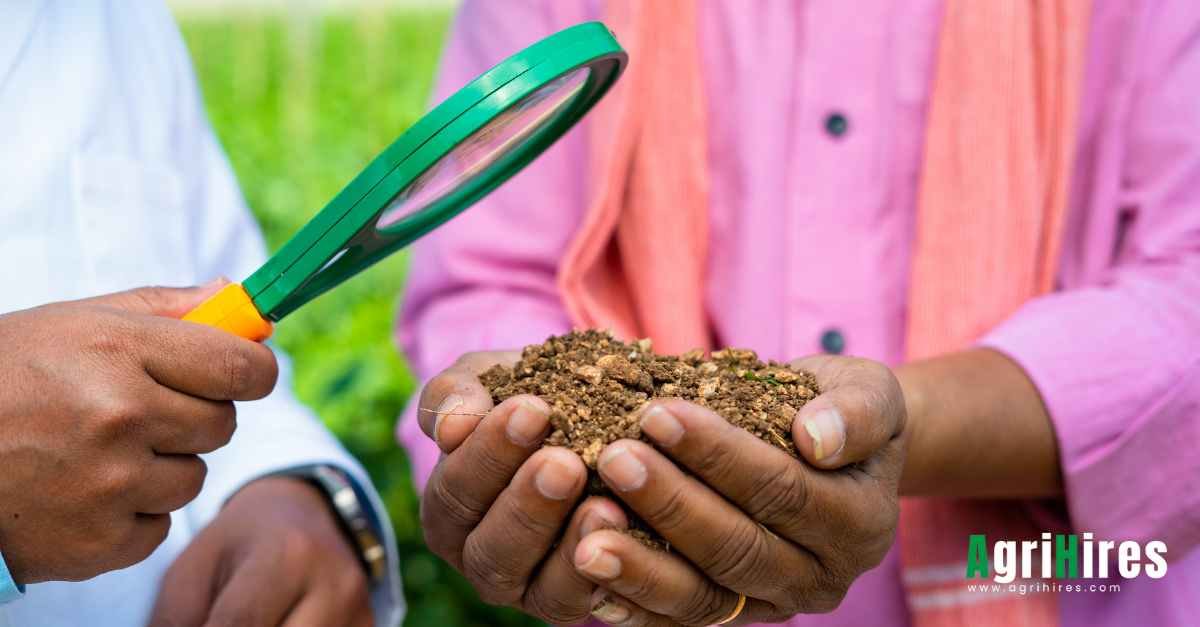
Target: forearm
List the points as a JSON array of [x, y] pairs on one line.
[[977, 429]]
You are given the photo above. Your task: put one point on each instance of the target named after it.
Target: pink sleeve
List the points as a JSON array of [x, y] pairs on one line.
[[1118, 361], [486, 280]]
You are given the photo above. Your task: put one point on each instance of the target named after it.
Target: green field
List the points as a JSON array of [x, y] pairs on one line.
[[301, 104]]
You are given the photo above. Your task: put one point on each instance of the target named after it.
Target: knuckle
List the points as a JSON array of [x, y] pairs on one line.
[[715, 461], [439, 541], [114, 480], [825, 598], [436, 387], [468, 357], [821, 591], [296, 546], [136, 542], [441, 386], [669, 512], [488, 466], [876, 535], [705, 607], [526, 524], [193, 478], [738, 556], [114, 416], [866, 530], [555, 609], [268, 370], [644, 586], [156, 533], [150, 297], [104, 340], [477, 361], [93, 555], [225, 425], [215, 429], [777, 500], [238, 371], [451, 505], [496, 583], [109, 334], [883, 523]]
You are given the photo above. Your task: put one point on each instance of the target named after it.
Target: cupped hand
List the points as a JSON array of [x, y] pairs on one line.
[[746, 518], [274, 555], [498, 507], [105, 405]]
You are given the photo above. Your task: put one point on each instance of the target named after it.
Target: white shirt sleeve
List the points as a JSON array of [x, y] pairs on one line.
[[278, 432]]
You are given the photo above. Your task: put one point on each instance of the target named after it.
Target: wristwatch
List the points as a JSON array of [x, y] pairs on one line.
[[353, 514]]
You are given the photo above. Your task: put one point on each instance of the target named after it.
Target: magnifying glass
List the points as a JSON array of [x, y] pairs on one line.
[[464, 148]]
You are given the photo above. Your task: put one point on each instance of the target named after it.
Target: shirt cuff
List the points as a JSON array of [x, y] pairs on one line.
[[1122, 411], [9, 590]]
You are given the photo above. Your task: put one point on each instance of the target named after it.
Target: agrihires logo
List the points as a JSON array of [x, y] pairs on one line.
[[1063, 556]]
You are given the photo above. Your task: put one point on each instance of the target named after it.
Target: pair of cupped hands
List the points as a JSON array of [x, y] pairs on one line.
[[741, 516]]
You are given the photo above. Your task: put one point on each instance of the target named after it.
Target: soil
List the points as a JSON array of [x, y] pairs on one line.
[[595, 385]]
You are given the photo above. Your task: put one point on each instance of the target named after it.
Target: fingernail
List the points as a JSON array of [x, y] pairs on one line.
[[622, 468], [662, 425], [554, 481], [601, 564], [526, 424], [593, 521], [449, 404], [828, 433], [609, 611]]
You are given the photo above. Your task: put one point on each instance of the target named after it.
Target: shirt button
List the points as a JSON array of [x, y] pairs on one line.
[[836, 124], [833, 342]]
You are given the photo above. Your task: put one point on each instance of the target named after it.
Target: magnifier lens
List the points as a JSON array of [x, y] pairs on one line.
[[491, 142]]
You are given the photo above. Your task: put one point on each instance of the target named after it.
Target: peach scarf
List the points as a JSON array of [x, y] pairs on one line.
[[997, 162]]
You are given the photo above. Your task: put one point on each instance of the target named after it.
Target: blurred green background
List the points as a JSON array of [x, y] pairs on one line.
[[302, 97]]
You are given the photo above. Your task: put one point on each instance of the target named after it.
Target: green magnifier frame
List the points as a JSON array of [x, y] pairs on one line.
[[578, 65]]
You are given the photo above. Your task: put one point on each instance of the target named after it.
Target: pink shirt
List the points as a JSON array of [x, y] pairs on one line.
[[817, 112]]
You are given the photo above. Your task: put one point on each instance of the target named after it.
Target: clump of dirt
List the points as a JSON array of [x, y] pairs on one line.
[[595, 385]]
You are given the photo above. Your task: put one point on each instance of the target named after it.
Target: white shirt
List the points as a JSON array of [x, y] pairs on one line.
[[111, 178]]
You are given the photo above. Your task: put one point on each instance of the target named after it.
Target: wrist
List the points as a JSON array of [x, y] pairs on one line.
[[979, 429], [351, 510], [917, 407]]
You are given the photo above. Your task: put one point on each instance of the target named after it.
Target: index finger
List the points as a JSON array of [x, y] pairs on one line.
[[465, 484], [204, 361], [729, 546], [187, 592], [780, 493]]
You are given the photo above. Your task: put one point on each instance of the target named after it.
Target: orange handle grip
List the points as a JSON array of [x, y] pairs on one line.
[[232, 310]]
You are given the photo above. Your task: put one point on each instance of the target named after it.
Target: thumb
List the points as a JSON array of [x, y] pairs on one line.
[[170, 302], [860, 408]]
